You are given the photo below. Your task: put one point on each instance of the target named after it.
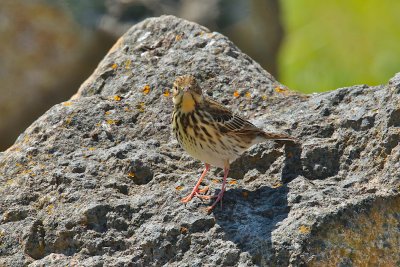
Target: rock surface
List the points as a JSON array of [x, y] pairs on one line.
[[96, 181], [45, 56]]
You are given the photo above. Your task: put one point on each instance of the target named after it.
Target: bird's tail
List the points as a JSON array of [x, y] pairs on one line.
[[278, 137]]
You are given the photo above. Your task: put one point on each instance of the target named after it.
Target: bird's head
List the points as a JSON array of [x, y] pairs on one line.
[[186, 93]]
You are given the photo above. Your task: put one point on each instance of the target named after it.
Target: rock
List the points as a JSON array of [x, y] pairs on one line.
[[48, 58], [96, 181], [46, 55]]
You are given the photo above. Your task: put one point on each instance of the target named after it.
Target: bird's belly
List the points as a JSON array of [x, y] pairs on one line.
[[213, 154], [203, 141]]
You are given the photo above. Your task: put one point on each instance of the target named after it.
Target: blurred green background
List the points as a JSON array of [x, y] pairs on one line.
[[49, 47], [332, 44]]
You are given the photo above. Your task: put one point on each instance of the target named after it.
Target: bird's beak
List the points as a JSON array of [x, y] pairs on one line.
[[185, 89]]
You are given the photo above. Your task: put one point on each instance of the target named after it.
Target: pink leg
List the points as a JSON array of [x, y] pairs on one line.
[[196, 190], [221, 193]]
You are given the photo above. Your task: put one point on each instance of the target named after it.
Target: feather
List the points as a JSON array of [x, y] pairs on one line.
[[229, 121]]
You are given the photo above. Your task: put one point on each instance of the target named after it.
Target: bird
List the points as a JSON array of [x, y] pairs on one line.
[[211, 133]]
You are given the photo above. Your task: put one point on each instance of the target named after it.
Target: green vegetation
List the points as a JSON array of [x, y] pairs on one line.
[[331, 44]]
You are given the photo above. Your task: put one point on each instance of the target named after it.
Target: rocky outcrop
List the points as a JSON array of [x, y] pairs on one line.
[[96, 181]]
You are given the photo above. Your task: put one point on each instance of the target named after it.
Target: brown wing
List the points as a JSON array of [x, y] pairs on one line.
[[233, 123], [228, 121]]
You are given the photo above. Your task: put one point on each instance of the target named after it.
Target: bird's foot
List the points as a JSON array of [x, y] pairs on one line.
[[219, 199], [198, 193], [205, 197], [187, 198]]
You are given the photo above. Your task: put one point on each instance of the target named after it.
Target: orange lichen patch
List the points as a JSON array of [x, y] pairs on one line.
[[247, 95], [26, 171], [117, 98], [112, 122], [245, 194], [114, 66], [236, 94], [304, 229], [183, 230], [91, 148], [232, 182], [18, 164], [107, 112], [215, 181], [166, 93], [178, 37], [131, 174], [179, 187], [264, 97], [280, 89], [68, 120], [67, 104], [128, 64], [50, 209], [140, 107], [146, 89], [276, 185]]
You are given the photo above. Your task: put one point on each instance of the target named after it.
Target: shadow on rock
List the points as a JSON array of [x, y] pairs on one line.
[[264, 158], [292, 166], [249, 217]]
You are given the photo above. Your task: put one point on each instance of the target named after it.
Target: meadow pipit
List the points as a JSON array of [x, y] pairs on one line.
[[210, 132]]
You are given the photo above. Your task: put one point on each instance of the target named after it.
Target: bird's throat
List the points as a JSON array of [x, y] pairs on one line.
[[188, 103]]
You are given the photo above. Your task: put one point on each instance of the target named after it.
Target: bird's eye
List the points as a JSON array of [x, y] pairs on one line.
[[175, 90]]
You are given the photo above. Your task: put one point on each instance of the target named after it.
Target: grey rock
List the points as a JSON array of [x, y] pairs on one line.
[[96, 181], [67, 53]]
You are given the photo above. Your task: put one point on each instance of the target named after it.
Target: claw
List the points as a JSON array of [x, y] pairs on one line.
[[196, 189], [198, 193], [203, 191], [219, 199], [205, 197], [186, 199]]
